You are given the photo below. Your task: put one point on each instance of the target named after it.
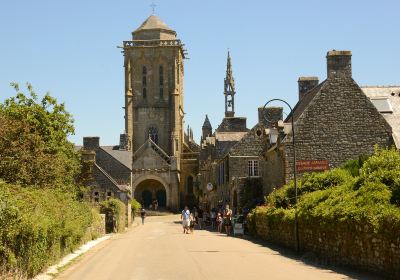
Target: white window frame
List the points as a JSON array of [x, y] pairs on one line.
[[253, 169]]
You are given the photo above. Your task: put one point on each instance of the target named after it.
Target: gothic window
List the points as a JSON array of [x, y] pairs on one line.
[[144, 70], [144, 93], [161, 93], [144, 76], [153, 134], [253, 168], [161, 74]]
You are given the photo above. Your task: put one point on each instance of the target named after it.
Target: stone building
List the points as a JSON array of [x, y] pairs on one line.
[[158, 160], [233, 153], [334, 121]]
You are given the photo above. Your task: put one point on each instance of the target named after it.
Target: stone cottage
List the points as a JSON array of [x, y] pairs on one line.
[[334, 121]]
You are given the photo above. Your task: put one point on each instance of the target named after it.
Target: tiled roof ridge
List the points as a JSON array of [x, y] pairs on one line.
[[379, 86]]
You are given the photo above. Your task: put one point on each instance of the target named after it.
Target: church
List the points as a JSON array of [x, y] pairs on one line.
[[155, 159]]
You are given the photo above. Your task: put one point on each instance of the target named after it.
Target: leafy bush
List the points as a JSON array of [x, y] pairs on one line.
[[135, 206], [115, 210], [39, 226], [285, 197], [335, 196], [34, 145]]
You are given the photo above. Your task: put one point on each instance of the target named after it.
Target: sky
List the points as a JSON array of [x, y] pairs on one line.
[[69, 48]]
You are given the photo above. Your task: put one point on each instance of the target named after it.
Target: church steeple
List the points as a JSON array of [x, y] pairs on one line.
[[229, 89], [206, 129]]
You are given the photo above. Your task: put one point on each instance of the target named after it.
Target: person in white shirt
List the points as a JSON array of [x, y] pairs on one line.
[[185, 217]]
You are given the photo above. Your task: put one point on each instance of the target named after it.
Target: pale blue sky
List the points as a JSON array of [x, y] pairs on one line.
[[69, 49]]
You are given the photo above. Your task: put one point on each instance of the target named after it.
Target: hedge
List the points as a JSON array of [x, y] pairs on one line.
[[115, 210], [39, 226]]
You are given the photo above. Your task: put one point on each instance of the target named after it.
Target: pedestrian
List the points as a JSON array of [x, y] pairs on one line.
[[200, 216], [185, 217], [219, 222], [227, 219], [192, 223], [143, 215], [156, 204], [213, 216]]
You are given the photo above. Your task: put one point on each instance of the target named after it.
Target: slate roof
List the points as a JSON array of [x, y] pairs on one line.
[[392, 93], [109, 178], [124, 157]]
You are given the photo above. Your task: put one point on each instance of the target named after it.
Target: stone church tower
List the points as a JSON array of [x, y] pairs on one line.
[[154, 111]]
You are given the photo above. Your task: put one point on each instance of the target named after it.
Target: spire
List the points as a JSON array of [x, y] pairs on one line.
[[229, 89], [207, 123], [206, 129]]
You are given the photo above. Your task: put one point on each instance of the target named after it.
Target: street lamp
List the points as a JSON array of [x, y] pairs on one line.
[[296, 227]]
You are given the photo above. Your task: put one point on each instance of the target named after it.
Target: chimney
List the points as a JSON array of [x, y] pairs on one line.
[[305, 84], [339, 63], [269, 116], [123, 142], [91, 143]]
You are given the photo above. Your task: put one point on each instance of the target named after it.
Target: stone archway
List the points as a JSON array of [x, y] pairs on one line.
[[149, 189]]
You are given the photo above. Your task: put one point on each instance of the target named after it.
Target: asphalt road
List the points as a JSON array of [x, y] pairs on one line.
[[159, 250]]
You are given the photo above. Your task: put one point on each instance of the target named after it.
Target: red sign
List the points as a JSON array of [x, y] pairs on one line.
[[311, 165]]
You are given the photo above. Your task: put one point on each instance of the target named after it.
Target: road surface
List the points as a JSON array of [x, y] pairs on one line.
[[159, 250]]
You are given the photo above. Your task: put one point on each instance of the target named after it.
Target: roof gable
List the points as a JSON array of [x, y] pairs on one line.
[[150, 156]]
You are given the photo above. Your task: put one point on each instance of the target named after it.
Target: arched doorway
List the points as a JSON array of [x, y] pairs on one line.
[[147, 198], [161, 196], [149, 190]]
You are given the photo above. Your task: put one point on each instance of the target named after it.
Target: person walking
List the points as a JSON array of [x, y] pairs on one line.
[[192, 223], [143, 215], [219, 222], [200, 216], [185, 218], [213, 216], [227, 219]]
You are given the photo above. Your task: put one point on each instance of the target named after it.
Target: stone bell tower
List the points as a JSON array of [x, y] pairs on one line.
[[153, 62], [229, 90]]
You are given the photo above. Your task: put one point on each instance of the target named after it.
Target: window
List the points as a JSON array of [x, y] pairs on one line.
[[153, 134], [109, 195], [144, 81], [253, 168], [161, 93], [96, 197], [161, 74], [221, 173], [176, 145], [383, 105]]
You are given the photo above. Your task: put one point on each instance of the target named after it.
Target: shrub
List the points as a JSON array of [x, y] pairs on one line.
[[115, 211], [135, 206], [39, 226]]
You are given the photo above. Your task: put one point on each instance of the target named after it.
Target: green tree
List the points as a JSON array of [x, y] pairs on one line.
[[34, 146]]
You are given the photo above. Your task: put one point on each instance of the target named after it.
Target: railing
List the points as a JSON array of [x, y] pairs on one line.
[[152, 43]]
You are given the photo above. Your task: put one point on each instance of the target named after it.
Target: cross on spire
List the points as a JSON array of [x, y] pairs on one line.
[[153, 7]]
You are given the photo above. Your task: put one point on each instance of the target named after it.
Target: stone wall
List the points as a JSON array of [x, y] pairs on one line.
[[352, 244]]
